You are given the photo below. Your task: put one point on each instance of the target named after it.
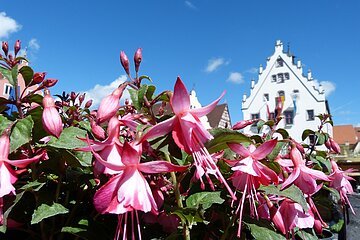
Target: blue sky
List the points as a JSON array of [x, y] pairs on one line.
[[212, 45]]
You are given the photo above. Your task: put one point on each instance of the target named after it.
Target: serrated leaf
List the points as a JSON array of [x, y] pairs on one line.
[[306, 133], [7, 212], [27, 74], [141, 93], [21, 133], [46, 211], [321, 138], [4, 123], [85, 125], [205, 199], [262, 233], [7, 74], [292, 192], [134, 98], [69, 139], [222, 136]]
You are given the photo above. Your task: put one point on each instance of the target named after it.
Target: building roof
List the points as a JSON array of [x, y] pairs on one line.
[[345, 134], [215, 115]]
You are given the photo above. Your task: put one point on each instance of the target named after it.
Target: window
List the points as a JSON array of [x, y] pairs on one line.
[[289, 117], [255, 116], [310, 115], [273, 78], [7, 89], [280, 78], [266, 97], [279, 62], [296, 91], [287, 76]]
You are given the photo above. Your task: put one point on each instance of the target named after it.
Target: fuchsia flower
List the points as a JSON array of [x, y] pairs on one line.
[[302, 176], [7, 173], [250, 173], [51, 119], [110, 104], [189, 134], [128, 191], [340, 181]]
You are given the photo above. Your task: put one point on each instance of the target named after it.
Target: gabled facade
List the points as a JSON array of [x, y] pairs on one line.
[[282, 84]]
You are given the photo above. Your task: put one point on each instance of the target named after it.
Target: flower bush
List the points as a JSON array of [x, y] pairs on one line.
[[148, 169]]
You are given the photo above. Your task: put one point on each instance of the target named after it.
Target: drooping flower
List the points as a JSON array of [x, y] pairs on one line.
[[129, 191], [8, 176], [110, 104], [249, 173], [340, 181], [189, 134], [302, 176], [51, 119], [244, 123]]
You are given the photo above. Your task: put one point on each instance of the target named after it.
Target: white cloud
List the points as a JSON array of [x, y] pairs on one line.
[[98, 92], [214, 64], [7, 25], [190, 5], [329, 87], [33, 44], [236, 77], [252, 70]]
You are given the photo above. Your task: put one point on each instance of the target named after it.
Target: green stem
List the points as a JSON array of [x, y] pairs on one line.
[[225, 235], [178, 198]]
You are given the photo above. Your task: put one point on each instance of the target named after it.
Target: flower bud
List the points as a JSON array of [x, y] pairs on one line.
[[73, 96], [81, 98], [50, 82], [5, 144], [88, 103], [5, 48], [51, 119], [125, 62], [110, 104], [137, 59], [334, 146], [39, 77], [244, 123], [98, 131], [17, 47]]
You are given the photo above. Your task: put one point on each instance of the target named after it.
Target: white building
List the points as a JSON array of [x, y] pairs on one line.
[[282, 82]]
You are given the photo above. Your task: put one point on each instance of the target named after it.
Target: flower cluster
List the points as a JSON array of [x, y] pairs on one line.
[[147, 167]]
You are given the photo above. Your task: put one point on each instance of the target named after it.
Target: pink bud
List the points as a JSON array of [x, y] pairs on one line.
[[299, 146], [17, 47], [73, 96], [110, 104], [334, 146], [39, 77], [5, 48], [50, 82], [245, 123], [318, 226], [81, 98], [98, 131], [88, 103], [5, 144], [328, 144], [51, 119], [125, 62], [137, 59]]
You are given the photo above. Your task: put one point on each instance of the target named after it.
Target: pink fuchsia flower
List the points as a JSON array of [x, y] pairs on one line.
[[110, 104], [302, 176], [129, 191], [244, 123], [8, 175], [189, 134], [249, 173], [51, 119], [293, 215], [340, 181]]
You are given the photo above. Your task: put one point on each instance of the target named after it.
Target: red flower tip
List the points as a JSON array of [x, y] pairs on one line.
[[137, 59], [17, 47], [125, 62], [5, 48]]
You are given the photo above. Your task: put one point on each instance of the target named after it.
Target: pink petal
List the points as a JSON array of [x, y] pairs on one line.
[[23, 162], [106, 194], [180, 100], [203, 111], [293, 176], [304, 220], [4, 145], [317, 174], [159, 129], [130, 155], [160, 167], [264, 149], [5, 181], [51, 121], [239, 149], [246, 166]]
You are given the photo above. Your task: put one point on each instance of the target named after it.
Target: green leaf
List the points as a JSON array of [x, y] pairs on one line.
[[145, 77], [141, 94], [14, 75], [205, 199], [306, 236], [134, 98], [292, 192], [306, 133], [4, 123], [6, 214], [46, 211], [36, 98], [337, 226], [260, 124], [69, 139], [85, 125], [283, 133], [262, 233], [275, 152], [222, 136], [7, 74], [27, 74], [21, 133], [334, 192], [150, 92], [33, 186]]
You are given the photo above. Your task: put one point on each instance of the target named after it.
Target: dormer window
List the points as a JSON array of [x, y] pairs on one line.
[[279, 62], [280, 78], [273, 78], [287, 76]]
